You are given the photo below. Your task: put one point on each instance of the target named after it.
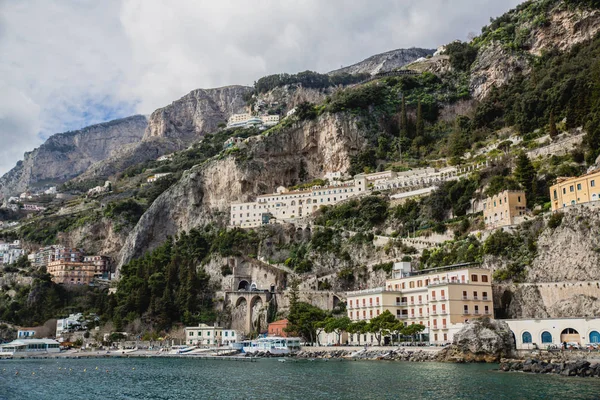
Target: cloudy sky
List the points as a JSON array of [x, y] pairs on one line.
[[65, 64]]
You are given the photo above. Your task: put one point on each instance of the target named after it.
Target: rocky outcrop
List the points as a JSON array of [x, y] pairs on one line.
[[495, 66], [385, 62], [129, 155], [564, 27], [197, 113], [481, 340], [205, 192], [66, 155], [569, 252], [439, 65]]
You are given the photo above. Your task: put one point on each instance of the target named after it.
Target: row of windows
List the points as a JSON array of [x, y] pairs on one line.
[[546, 336]]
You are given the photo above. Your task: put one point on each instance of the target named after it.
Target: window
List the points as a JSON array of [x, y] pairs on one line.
[[526, 337], [564, 191], [519, 198], [592, 183], [484, 294], [191, 333], [466, 309], [546, 337], [474, 278], [411, 284], [571, 189], [484, 278], [486, 309], [579, 186]]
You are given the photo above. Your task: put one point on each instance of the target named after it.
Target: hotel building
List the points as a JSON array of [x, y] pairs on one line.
[[288, 205], [441, 299], [571, 191], [504, 209], [71, 273]]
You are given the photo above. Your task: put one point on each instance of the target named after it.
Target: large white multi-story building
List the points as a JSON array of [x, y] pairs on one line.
[[247, 120], [288, 205], [441, 299]]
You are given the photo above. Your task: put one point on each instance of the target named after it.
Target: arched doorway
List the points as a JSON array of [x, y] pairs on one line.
[[253, 287], [526, 336], [243, 285], [569, 335], [594, 337]]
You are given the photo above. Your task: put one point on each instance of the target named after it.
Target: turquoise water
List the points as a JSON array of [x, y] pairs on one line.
[[189, 379]]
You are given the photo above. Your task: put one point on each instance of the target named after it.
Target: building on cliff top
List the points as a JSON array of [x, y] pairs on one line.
[[504, 209], [441, 299], [571, 191]]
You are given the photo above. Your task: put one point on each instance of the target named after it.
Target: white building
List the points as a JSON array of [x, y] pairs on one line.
[[540, 333], [165, 157], [230, 336], [155, 177], [270, 120], [33, 207], [291, 205], [11, 252], [291, 112], [232, 141], [100, 189], [69, 324], [203, 335], [51, 190], [31, 346]]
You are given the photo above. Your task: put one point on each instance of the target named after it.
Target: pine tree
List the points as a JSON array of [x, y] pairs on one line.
[[553, 130], [403, 119], [526, 176], [420, 122]]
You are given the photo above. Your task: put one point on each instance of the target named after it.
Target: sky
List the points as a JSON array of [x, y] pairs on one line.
[[66, 64]]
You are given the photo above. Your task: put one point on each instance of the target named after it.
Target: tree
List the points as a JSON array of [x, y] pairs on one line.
[[526, 176], [358, 327], [337, 326], [382, 325], [553, 130], [413, 330], [420, 122], [304, 319]]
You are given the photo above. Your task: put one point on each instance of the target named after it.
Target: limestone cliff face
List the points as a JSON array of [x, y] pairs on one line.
[[66, 155], [205, 192], [385, 62], [566, 26], [196, 113], [564, 279]]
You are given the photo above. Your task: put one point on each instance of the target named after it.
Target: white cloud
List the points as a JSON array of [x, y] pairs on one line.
[[67, 63]]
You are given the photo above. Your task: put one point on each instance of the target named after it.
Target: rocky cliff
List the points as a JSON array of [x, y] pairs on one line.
[[537, 30], [385, 62], [205, 192], [66, 155], [197, 113]]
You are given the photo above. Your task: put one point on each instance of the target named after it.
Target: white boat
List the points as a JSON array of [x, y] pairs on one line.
[[181, 349], [273, 345]]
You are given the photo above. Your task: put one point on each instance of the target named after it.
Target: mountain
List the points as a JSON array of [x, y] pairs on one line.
[[385, 62], [65, 155]]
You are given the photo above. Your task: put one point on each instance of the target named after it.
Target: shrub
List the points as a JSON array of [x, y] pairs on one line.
[[555, 220]]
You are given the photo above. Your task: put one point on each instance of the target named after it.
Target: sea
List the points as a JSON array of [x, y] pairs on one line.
[[181, 378]]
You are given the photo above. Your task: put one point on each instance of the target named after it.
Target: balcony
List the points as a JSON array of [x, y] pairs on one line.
[[486, 312], [476, 312], [442, 298], [465, 297], [434, 312], [466, 312], [475, 298], [433, 299], [403, 316], [484, 298], [444, 326], [401, 303], [443, 312]]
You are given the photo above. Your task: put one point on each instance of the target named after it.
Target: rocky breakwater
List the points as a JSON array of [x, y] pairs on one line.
[[481, 340], [400, 354], [581, 368]]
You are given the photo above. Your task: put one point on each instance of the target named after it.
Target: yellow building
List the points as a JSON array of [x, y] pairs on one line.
[[441, 299], [504, 208], [71, 273], [570, 191]]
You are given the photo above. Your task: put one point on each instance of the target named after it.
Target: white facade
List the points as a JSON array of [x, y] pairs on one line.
[[540, 333], [230, 336], [292, 205], [155, 177], [270, 120], [203, 335], [31, 346]]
